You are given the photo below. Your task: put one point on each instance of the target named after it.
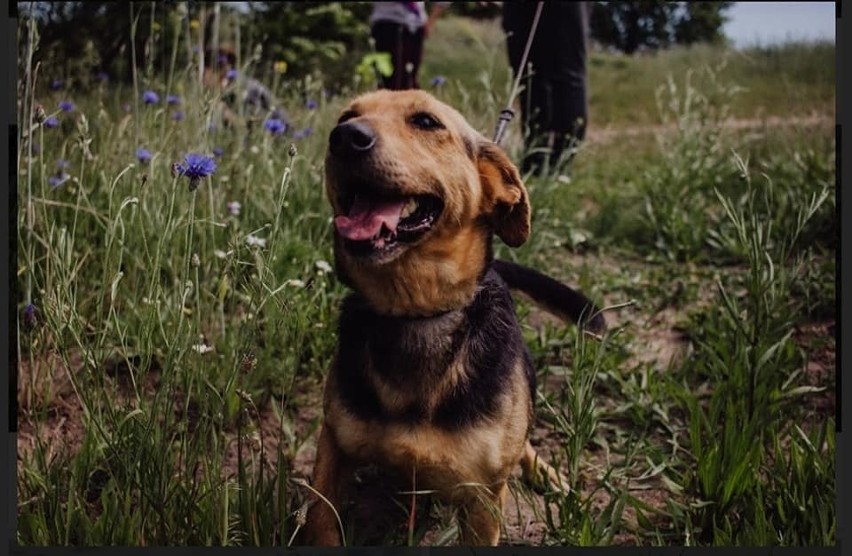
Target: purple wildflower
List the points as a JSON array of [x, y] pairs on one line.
[[173, 100], [66, 106], [51, 122], [143, 155], [150, 97], [311, 104], [57, 85], [302, 133], [234, 208], [62, 164], [218, 152], [231, 74], [275, 126], [195, 167], [438, 80], [58, 179], [177, 115], [30, 315]]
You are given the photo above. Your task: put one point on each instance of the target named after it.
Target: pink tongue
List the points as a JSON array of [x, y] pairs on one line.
[[365, 219]]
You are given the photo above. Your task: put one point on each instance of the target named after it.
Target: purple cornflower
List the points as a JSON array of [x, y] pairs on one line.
[[58, 179], [143, 155], [51, 122], [275, 126], [234, 208], [231, 74], [173, 100], [311, 104], [438, 80], [301, 134], [30, 315], [150, 97], [177, 115], [195, 167], [218, 152], [57, 85], [66, 106]]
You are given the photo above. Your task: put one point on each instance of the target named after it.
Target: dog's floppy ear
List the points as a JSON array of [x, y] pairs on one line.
[[505, 199]]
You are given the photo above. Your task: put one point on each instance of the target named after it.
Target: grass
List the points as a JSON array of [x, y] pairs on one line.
[[178, 346]]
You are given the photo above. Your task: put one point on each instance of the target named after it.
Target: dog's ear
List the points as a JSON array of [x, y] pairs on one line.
[[505, 199]]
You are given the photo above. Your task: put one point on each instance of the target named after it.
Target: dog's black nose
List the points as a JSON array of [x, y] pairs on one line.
[[351, 139]]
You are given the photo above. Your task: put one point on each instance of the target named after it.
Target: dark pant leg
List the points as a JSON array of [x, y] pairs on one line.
[[412, 46], [388, 37], [405, 48], [555, 97], [564, 41], [534, 95]]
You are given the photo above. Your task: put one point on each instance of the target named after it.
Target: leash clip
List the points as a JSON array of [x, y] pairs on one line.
[[506, 116]]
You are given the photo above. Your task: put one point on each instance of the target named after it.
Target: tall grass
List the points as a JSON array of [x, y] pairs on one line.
[[173, 346]]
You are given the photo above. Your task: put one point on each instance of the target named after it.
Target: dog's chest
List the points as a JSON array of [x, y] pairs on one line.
[[450, 371]]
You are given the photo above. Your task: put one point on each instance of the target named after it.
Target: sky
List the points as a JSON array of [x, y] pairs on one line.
[[773, 22]]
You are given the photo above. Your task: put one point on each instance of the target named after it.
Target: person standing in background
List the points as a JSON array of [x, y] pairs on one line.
[[554, 107], [400, 28]]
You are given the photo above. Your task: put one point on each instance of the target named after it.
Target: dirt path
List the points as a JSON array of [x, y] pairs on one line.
[[606, 135]]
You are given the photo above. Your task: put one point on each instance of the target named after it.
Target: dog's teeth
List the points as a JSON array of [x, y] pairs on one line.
[[409, 208]]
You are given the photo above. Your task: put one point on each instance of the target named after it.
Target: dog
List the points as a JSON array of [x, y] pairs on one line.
[[431, 377]]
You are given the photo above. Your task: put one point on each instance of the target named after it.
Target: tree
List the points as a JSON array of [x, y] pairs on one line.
[[310, 35], [654, 24]]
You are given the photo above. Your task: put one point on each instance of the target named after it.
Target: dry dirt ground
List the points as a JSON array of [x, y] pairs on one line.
[[657, 340]]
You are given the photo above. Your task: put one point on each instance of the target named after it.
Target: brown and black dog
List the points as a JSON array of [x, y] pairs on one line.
[[431, 377]]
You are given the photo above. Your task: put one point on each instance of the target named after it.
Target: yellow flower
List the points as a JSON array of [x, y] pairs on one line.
[[194, 24], [155, 26], [280, 66]]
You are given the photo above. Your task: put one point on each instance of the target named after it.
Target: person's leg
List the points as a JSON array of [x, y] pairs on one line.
[[533, 96], [388, 38], [567, 76], [412, 47]]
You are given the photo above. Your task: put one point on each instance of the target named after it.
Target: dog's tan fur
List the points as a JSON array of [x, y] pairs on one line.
[[482, 194]]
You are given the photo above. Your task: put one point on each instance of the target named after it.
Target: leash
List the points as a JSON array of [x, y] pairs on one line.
[[507, 113]]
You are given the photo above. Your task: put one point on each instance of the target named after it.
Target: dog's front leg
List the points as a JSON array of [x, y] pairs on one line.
[[331, 475], [480, 517]]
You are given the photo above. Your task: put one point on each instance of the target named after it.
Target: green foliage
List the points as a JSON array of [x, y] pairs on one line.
[[745, 351], [310, 35], [630, 26]]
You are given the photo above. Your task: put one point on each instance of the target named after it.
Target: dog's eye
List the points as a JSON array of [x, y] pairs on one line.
[[426, 121], [348, 115]]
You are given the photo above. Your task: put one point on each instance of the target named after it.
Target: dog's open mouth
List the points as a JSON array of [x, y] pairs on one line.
[[376, 224]]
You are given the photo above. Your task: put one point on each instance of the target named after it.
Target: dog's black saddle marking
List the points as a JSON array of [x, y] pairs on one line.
[[413, 354]]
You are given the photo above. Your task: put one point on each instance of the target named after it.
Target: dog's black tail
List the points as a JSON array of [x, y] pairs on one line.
[[552, 295]]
